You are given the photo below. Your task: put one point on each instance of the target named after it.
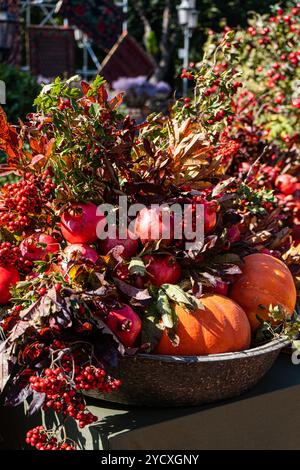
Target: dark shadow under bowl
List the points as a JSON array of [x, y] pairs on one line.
[[157, 380]]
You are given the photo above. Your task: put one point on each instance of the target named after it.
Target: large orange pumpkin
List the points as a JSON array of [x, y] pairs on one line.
[[265, 281], [221, 327]]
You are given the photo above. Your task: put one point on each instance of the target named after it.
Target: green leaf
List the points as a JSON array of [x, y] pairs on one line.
[[219, 188], [179, 296], [95, 110], [95, 85], [296, 345], [151, 332], [136, 266], [231, 258], [164, 308]]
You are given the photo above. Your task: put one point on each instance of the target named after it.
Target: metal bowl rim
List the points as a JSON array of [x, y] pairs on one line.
[[275, 344]]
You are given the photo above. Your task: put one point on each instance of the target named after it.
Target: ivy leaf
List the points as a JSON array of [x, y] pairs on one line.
[[4, 370], [151, 333], [18, 392], [19, 330], [230, 269], [36, 403], [142, 295], [179, 296], [164, 308], [48, 303], [296, 345], [136, 266], [219, 188]]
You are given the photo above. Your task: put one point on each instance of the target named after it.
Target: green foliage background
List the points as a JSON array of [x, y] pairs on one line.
[[21, 90], [212, 14]]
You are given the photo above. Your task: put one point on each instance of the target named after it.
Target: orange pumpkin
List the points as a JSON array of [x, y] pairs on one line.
[[265, 281], [221, 327]]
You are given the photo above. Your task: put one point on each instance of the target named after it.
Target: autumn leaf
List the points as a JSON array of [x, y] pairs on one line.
[[136, 266]]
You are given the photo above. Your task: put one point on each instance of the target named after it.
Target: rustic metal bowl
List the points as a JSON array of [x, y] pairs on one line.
[[157, 380]]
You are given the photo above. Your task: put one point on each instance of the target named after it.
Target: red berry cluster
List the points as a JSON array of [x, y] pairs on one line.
[[63, 396], [187, 102], [95, 378], [41, 439], [284, 26], [24, 200], [10, 255], [228, 149], [186, 73], [216, 89]]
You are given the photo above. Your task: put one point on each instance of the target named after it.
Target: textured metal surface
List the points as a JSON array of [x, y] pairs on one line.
[[154, 380], [51, 51]]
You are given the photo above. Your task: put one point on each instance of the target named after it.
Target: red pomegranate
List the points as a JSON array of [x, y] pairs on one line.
[[79, 251], [286, 183], [36, 247], [125, 324], [9, 277], [162, 269], [121, 271], [80, 223], [221, 288], [129, 244], [233, 234], [155, 224], [210, 215]]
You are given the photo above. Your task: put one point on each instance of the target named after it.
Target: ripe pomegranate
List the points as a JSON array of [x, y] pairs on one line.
[[139, 281], [121, 271], [79, 251], [9, 277], [130, 245], [32, 247], [125, 324], [80, 223], [286, 183], [162, 269], [221, 288], [152, 225], [233, 234], [210, 215]]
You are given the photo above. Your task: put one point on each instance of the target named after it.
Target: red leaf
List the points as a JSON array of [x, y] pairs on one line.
[[85, 88], [102, 95], [9, 139], [49, 147], [6, 170], [35, 145], [36, 159], [116, 101], [140, 126]]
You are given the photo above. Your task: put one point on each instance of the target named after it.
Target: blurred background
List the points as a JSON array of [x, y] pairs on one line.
[[139, 46]]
